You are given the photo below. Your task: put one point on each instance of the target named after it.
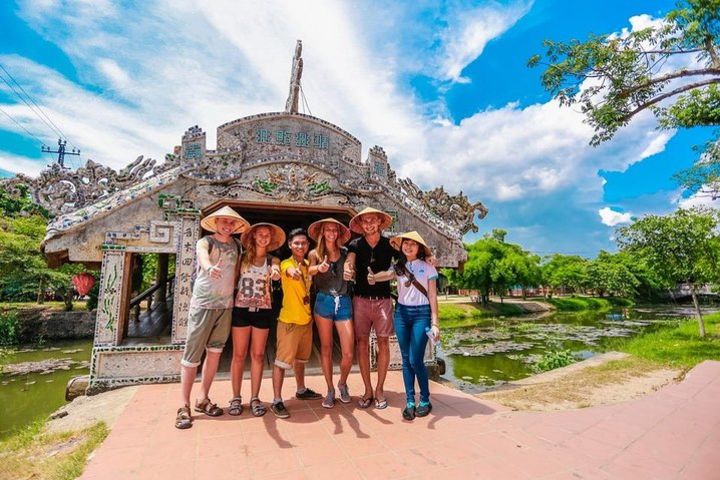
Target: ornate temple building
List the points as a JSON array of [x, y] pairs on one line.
[[282, 167]]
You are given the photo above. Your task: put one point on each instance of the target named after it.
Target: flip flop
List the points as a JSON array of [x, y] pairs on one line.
[[381, 404], [365, 402]]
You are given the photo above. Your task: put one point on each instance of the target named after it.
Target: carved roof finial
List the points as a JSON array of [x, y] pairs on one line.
[[291, 106]]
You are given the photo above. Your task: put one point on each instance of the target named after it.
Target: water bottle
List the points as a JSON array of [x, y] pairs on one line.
[[431, 335]]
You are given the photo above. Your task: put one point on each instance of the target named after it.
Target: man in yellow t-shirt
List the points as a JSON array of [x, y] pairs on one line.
[[294, 327]]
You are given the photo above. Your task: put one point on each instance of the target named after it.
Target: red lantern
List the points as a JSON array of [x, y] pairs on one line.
[[83, 283]]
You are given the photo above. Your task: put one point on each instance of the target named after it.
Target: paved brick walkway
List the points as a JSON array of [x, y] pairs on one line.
[[673, 434]]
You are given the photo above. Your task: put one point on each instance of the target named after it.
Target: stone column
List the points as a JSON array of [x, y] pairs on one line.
[[184, 268], [108, 323]]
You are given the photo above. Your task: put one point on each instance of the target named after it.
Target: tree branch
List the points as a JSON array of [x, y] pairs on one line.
[[672, 76], [665, 95]]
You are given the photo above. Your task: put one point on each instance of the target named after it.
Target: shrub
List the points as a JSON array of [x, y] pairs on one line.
[[555, 359], [9, 327]]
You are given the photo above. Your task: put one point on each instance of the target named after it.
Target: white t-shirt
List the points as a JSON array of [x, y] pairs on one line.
[[411, 296], [216, 293]]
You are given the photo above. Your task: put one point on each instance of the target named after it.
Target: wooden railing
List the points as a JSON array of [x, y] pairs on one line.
[[148, 295]]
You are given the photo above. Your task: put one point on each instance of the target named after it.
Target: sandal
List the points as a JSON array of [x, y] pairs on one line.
[[409, 412], [381, 404], [235, 407], [183, 419], [208, 408], [365, 402], [257, 407]]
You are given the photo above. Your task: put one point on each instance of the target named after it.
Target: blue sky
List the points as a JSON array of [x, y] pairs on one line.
[[442, 86]]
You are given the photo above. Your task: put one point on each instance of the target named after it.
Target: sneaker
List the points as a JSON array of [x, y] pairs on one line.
[[423, 409], [279, 410], [408, 412], [329, 401], [308, 394], [344, 393]]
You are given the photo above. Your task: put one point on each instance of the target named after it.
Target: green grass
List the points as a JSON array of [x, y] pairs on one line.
[[576, 304], [457, 315], [78, 305], [679, 346], [32, 453]]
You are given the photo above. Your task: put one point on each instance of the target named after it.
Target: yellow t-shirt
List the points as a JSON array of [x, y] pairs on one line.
[[296, 294]]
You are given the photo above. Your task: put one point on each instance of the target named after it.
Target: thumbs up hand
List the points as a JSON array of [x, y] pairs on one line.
[[275, 273], [215, 272], [370, 277], [324, 266]]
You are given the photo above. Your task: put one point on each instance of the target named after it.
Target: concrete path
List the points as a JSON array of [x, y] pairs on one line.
[[670, 434]]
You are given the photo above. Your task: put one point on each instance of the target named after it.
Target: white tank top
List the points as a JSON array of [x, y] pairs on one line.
[[254, 287]]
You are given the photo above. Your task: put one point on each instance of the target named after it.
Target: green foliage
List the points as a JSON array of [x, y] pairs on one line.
[[555, 359], [494, 266], [19, 203], [683, 247], [614, 77], [92, 301], [577, 304], [607, 274], [568, 272], [9, 328], [24, 274]]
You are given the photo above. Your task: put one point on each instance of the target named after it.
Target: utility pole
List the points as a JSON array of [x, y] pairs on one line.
[[60, 151]]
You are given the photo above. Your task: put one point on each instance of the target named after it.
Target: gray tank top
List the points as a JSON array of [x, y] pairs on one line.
[[331, 282]]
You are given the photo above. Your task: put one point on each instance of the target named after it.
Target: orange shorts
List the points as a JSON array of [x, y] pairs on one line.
[[294, 342]]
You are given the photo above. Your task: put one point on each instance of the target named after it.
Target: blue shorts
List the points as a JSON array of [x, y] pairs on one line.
[[333, 308]]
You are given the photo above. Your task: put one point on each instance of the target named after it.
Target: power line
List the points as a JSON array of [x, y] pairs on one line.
[[304, 100], [47, 120], [22, 126]]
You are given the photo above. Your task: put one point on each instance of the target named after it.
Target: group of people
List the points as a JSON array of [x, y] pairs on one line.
[[350, 282]]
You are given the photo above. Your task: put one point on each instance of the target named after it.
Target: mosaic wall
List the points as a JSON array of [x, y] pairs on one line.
[[131, 365]]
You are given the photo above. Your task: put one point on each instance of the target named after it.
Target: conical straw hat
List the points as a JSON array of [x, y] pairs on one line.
[[278, 235], [356, 224], [208, 223], [396, 242], [315, 230]]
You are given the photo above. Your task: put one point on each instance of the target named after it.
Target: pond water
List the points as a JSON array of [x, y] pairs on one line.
[[27, 397], [498, 350]]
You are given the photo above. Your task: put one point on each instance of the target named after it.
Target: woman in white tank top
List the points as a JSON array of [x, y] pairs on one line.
[[252, 313]]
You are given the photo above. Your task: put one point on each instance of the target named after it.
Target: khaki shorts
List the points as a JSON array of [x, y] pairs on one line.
[[373, 312], [294, 342], [207, 329]]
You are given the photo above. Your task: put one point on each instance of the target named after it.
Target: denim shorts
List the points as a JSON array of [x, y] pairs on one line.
[[333, 308]]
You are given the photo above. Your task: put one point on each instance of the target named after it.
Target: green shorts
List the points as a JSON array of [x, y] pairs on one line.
[[207, 329]]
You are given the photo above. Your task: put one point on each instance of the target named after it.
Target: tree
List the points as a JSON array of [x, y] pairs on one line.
[[494, 266], [606, 274], [683, 247], [24, 274], [615, 77], [567, 272]]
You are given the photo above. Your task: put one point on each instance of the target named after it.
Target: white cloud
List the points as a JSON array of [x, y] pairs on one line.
[[611, 218], [470, 30], [116, 75]]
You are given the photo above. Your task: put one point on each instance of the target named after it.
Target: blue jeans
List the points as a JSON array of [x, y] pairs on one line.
[[410, 324]]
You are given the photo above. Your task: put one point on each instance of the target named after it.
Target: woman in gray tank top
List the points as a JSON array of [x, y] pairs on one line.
[[332, 304]]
